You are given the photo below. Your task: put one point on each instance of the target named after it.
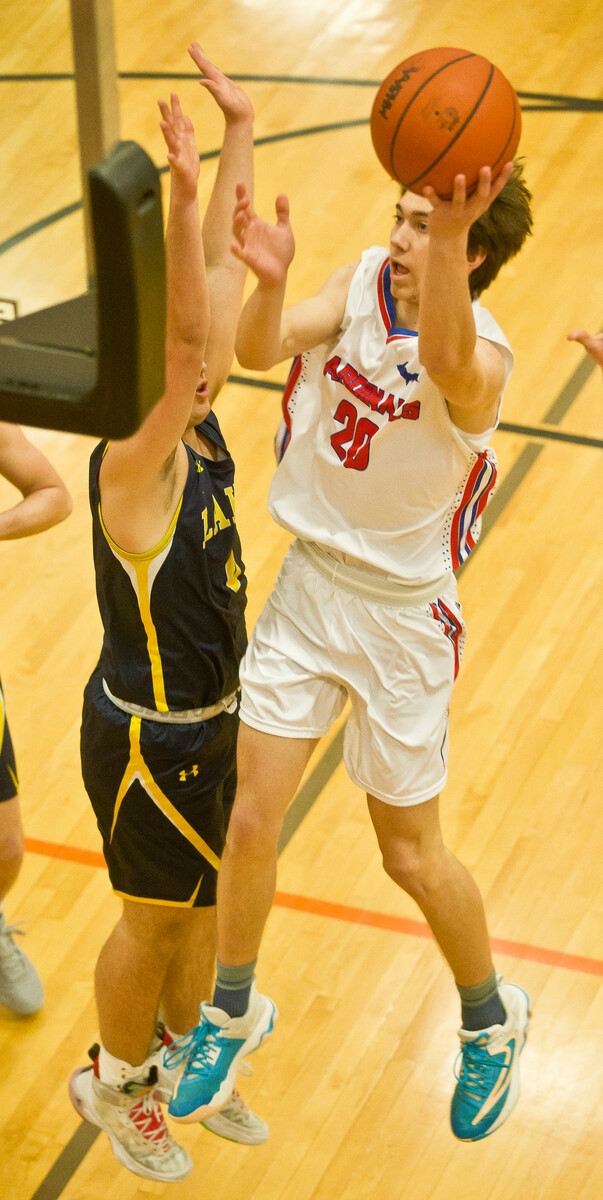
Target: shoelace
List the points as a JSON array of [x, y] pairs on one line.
[[198, 1049], [11, 955], [148, 1118], [477, 1071]]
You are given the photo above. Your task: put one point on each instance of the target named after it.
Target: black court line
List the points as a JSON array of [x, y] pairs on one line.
[[549, 101], [67, 1163], [557, 410], [23, 234], [568, 394], [551, 435]]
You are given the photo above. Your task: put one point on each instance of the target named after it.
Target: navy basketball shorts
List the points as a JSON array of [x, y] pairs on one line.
[[9, 782], [162, 795]]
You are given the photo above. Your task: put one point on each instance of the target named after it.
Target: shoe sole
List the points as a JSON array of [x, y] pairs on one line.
[[262, 1030], [514, 1085], [84, 1109], [223, 1128]]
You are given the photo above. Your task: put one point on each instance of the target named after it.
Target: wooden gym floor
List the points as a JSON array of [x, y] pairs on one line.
[[356, 1083]]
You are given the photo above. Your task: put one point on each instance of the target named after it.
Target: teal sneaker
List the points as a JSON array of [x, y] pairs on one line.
[[211, 1055], [488, 1075]]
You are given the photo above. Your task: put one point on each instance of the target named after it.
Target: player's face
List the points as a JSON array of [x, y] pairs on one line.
[[408, 243], [201, 403]]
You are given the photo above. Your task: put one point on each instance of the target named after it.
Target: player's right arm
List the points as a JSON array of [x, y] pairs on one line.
[[268, 333], [45, 499]]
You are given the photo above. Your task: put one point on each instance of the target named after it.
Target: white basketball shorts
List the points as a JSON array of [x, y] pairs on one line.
[[315, 645]]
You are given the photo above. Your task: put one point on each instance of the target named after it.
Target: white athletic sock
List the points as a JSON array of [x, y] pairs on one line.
[[115, 1071]]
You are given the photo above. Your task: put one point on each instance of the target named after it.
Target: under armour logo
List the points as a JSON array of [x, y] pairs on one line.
[[199, 466], [184, 774]]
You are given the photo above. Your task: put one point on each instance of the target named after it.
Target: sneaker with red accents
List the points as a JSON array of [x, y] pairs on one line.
[[132, 1118]]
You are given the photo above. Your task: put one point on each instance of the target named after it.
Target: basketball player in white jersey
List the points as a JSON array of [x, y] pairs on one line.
[[395, 389]]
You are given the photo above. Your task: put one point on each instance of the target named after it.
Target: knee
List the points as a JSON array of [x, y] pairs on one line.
[[413, 868], [11, 850], [253, 828]]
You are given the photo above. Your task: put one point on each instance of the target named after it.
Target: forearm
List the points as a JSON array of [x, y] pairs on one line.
[[40, 510], [447, 334], [187, 318], [235, 165], [259, 342]]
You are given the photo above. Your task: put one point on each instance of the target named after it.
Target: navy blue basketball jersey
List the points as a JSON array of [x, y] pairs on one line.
[[173, 618]]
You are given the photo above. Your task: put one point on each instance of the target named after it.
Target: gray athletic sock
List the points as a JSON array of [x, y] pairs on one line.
[[481, 1006], [233, 985]]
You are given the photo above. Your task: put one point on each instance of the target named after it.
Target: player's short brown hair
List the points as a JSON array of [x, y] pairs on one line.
[[501, 231]]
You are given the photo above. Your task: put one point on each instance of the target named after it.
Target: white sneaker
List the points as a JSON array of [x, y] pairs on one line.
[[235, 1121], [133, 1119], [21, 988], [238, 1123]]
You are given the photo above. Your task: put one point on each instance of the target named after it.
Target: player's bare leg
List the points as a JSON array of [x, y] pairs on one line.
[[415, 857], [494, 1014], [269, 771], [21, 989]]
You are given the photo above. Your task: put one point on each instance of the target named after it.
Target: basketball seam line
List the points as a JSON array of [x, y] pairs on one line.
[[461, 130], [469, 117], [413, 98]]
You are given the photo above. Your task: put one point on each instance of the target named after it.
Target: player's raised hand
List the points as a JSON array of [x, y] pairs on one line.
[[266, 249], [233, 101], [592, 342], [179, 135], [452, 217]]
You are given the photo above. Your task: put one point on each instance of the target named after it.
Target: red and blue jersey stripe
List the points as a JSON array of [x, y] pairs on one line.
[[387, 308], [452, 627], [477, 492], [283, 435]]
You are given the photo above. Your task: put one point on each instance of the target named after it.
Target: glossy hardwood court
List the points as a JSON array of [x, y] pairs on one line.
[[357, 1080]]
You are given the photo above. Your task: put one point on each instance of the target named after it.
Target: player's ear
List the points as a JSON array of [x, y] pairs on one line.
[[475, 258]]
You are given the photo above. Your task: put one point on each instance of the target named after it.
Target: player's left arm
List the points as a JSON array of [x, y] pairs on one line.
[[225, 273], [467, 369], [46, 500]]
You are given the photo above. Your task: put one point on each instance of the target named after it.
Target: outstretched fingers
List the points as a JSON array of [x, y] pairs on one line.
[[234, 102], [177, 129]]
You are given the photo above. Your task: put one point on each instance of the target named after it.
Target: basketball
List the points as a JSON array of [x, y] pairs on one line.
[[444, 112]]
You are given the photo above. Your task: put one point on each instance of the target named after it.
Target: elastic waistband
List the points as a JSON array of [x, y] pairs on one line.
[[368, 585], [179, 717]]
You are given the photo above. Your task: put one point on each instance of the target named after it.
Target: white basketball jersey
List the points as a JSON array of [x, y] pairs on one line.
[[372, 464]]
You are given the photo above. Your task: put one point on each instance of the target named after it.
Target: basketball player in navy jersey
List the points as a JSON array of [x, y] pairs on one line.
[[45, 502], [160, 710], [395, 390]]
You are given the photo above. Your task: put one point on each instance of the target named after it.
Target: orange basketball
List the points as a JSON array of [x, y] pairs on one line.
[[442, 112]]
